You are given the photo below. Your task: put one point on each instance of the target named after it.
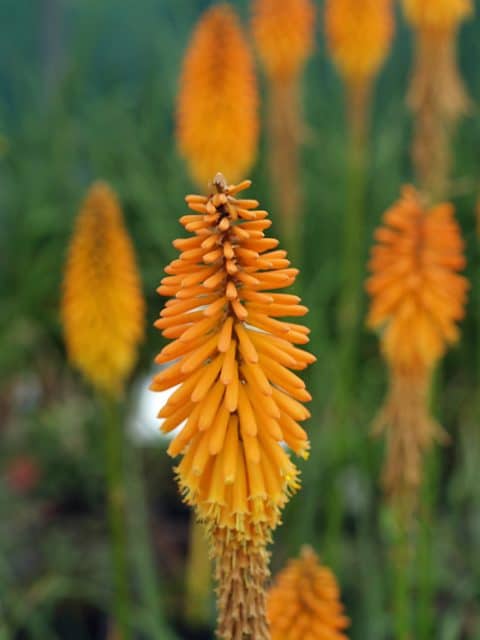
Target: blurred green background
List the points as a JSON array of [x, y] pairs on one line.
[[87, 90]]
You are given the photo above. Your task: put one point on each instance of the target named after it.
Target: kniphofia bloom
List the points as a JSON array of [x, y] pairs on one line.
[[236, 396], [417, 299], [102, 304], [217, 119], [304, 602]]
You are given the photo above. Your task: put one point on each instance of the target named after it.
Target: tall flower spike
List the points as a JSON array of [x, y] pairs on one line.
[[102, 305], [236, 398], [304, 602], [217, 119], [284, 37], [437, 95], [359, 36], [417, 298]]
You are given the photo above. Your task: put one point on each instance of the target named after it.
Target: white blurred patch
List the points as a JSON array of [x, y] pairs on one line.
[[143, 424]]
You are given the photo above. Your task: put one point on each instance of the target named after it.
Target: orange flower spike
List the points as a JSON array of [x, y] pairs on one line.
[[217, 108], [237, 398], [414, 282], [359, 35], [102, 305], [233, 353], [304, 602], [417, 298], [284, 36]]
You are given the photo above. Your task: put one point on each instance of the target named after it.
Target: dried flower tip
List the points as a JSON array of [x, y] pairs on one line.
[[410, 431]]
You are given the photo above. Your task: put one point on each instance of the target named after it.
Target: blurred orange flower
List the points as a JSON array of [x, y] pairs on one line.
[[217, 119], [284, 35], [102, 305], [417, 298], [417, 294], [304, 602], [359, 35]]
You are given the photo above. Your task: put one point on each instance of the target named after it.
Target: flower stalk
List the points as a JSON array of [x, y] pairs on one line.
[[116, 502], [437, 96], [417, 298], [237, 397], [284, 36], [102, 314]]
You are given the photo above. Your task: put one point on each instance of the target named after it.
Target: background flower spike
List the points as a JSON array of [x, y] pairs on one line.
[[217, 107], [102, 304], [417, 298]]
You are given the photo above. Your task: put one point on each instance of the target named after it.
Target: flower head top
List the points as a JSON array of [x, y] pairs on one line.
[[417, 294], [284, 35], [217, 119], [102, 304], [231, 357], [359, 36], [304, 602]]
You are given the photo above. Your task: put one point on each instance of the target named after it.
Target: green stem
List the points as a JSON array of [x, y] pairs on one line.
[[348, 320], [198, 578], [350, 302], [114, 462], [401, 562], [402, 613], [426, 563], [143, 557]]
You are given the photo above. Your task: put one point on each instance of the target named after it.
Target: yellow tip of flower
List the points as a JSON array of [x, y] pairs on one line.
[[304, 601], [102, 304], [217, 120], [233, 359]]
